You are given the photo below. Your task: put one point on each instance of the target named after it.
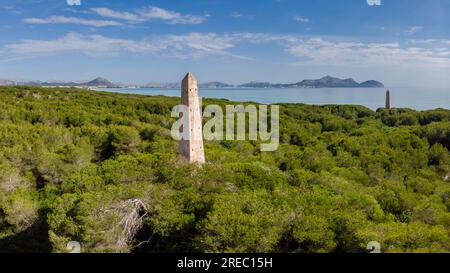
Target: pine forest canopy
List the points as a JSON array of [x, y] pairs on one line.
[[76, 165]]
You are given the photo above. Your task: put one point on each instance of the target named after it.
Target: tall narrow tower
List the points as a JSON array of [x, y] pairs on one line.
[[192, 148], [388, 100]]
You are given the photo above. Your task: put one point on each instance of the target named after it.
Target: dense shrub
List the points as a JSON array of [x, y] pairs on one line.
[[78, 165]]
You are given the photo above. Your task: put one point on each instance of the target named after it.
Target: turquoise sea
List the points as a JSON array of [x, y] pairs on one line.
[[415, 98]]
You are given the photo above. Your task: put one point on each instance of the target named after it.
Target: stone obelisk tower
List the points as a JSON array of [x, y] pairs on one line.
[[192, 148], [388, 100]]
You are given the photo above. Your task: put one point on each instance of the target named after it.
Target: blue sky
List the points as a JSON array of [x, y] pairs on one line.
[[400, 42]]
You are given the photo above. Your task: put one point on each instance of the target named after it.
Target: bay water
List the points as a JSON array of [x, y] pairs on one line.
[[373, 98]]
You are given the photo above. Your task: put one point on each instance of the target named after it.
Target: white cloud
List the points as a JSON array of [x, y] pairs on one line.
[[301, 19], [341, 53], [413, 30], [236, 15], [106, 12], [157, 13], [11, 9], [374, 2], [73, 2], [151, 13], [180, 46], [72, 42], [71, 20], [144, 15], [304, 51]]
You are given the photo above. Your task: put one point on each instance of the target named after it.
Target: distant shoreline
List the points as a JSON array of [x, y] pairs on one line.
[[224, 88], [373, 98]]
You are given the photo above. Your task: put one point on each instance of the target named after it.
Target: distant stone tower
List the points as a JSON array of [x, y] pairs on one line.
[[192, 148], [388, 100]]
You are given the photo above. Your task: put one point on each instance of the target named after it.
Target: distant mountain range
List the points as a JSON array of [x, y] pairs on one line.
[[215, 85], [200, 85], [98, 82], [325, 82], [7, 82]]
